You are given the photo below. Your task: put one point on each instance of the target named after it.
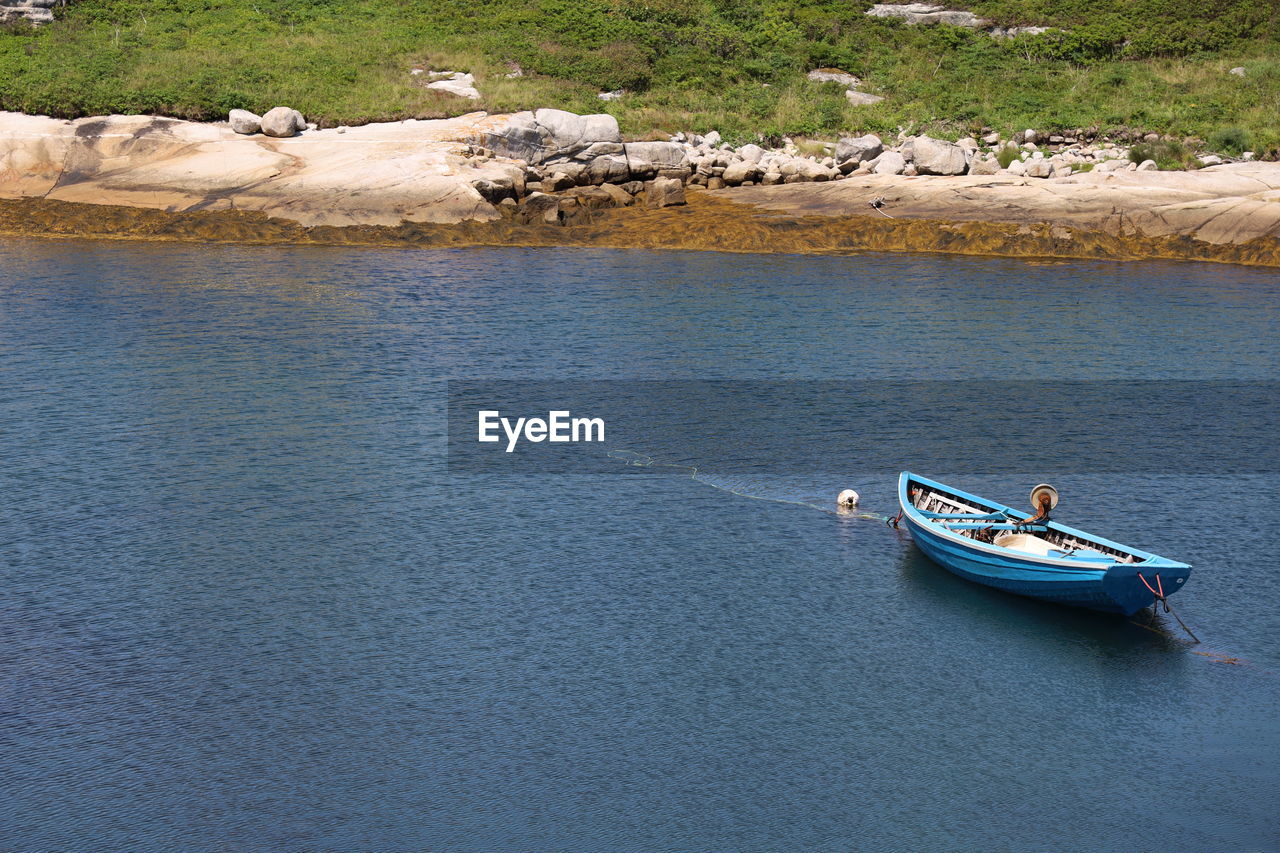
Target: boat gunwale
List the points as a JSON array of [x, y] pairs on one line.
[[1143, 559]]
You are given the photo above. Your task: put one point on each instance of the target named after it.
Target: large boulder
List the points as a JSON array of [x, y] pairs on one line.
[[936, 157], [858, 149], [664, 192], [739, 171], [608, 169], [598, 149], [571, 132], [282, 122], [647, 159], [537, 137], [243, 121], [890, 163]]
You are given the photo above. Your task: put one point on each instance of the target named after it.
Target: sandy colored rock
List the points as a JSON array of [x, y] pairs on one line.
[[1235, 203], [377, 174], [282, 122], [664, 192], [243, 121], [938, 157]]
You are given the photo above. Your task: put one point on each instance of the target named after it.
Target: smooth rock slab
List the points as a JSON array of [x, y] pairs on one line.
[[378, 174]]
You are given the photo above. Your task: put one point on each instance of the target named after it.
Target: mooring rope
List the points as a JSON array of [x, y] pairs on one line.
[[643, 460]]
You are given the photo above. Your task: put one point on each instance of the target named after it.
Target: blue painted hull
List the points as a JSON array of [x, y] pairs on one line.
[[1110, 586]]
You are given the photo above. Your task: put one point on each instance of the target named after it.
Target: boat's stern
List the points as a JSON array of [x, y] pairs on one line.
[[1133, 586]]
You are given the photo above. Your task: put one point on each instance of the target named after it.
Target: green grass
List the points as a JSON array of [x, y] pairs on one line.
[[734, 65]]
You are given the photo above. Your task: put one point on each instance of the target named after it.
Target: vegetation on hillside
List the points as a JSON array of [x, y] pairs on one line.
[[734, 65]]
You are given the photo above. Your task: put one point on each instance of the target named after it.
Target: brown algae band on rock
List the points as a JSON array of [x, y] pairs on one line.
[[555, 168]]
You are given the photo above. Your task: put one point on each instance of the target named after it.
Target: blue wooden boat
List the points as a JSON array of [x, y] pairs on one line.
[[992, 544]]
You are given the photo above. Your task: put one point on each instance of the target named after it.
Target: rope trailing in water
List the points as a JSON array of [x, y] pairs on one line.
[[1161, 598], [643, 460]]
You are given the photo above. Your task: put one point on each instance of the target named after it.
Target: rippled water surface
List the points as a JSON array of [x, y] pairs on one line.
[[245, 606]]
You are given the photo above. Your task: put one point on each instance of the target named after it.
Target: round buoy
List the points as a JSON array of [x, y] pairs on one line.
[[847, 498], [1038, 494]]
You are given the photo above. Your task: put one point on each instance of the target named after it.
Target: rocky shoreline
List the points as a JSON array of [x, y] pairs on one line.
[[555, 178]]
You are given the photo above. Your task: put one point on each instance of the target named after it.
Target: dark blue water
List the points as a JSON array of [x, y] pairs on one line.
[[246, 607]]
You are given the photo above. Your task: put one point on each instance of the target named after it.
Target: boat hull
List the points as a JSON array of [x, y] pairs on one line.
[[1123, 588]]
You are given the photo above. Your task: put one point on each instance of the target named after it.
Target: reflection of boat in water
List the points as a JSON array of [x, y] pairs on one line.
[[989, 543]]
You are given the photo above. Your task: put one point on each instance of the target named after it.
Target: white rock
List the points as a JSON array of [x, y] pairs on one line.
[[751, 153], [937, 157], [457, 83], [281, 122], [861, 99], [833, 75], [858, 149], [1238, 71], [926, 13], [572, 131], [739, 171], [1039, 168], [1031, 136], [890, 163], [1013, 32], [243, 121], [1017, 167], [984, 166], [992, 138], [610, 96], [1148, 166], [1210, 160], [713, 138]]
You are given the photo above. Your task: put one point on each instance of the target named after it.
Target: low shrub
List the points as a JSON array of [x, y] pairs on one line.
[[1232, 141], [1168, 156]]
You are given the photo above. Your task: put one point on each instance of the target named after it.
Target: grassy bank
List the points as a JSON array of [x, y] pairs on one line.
[[738, 67]]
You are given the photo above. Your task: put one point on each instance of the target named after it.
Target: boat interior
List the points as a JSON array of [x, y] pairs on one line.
[[988, 524]]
